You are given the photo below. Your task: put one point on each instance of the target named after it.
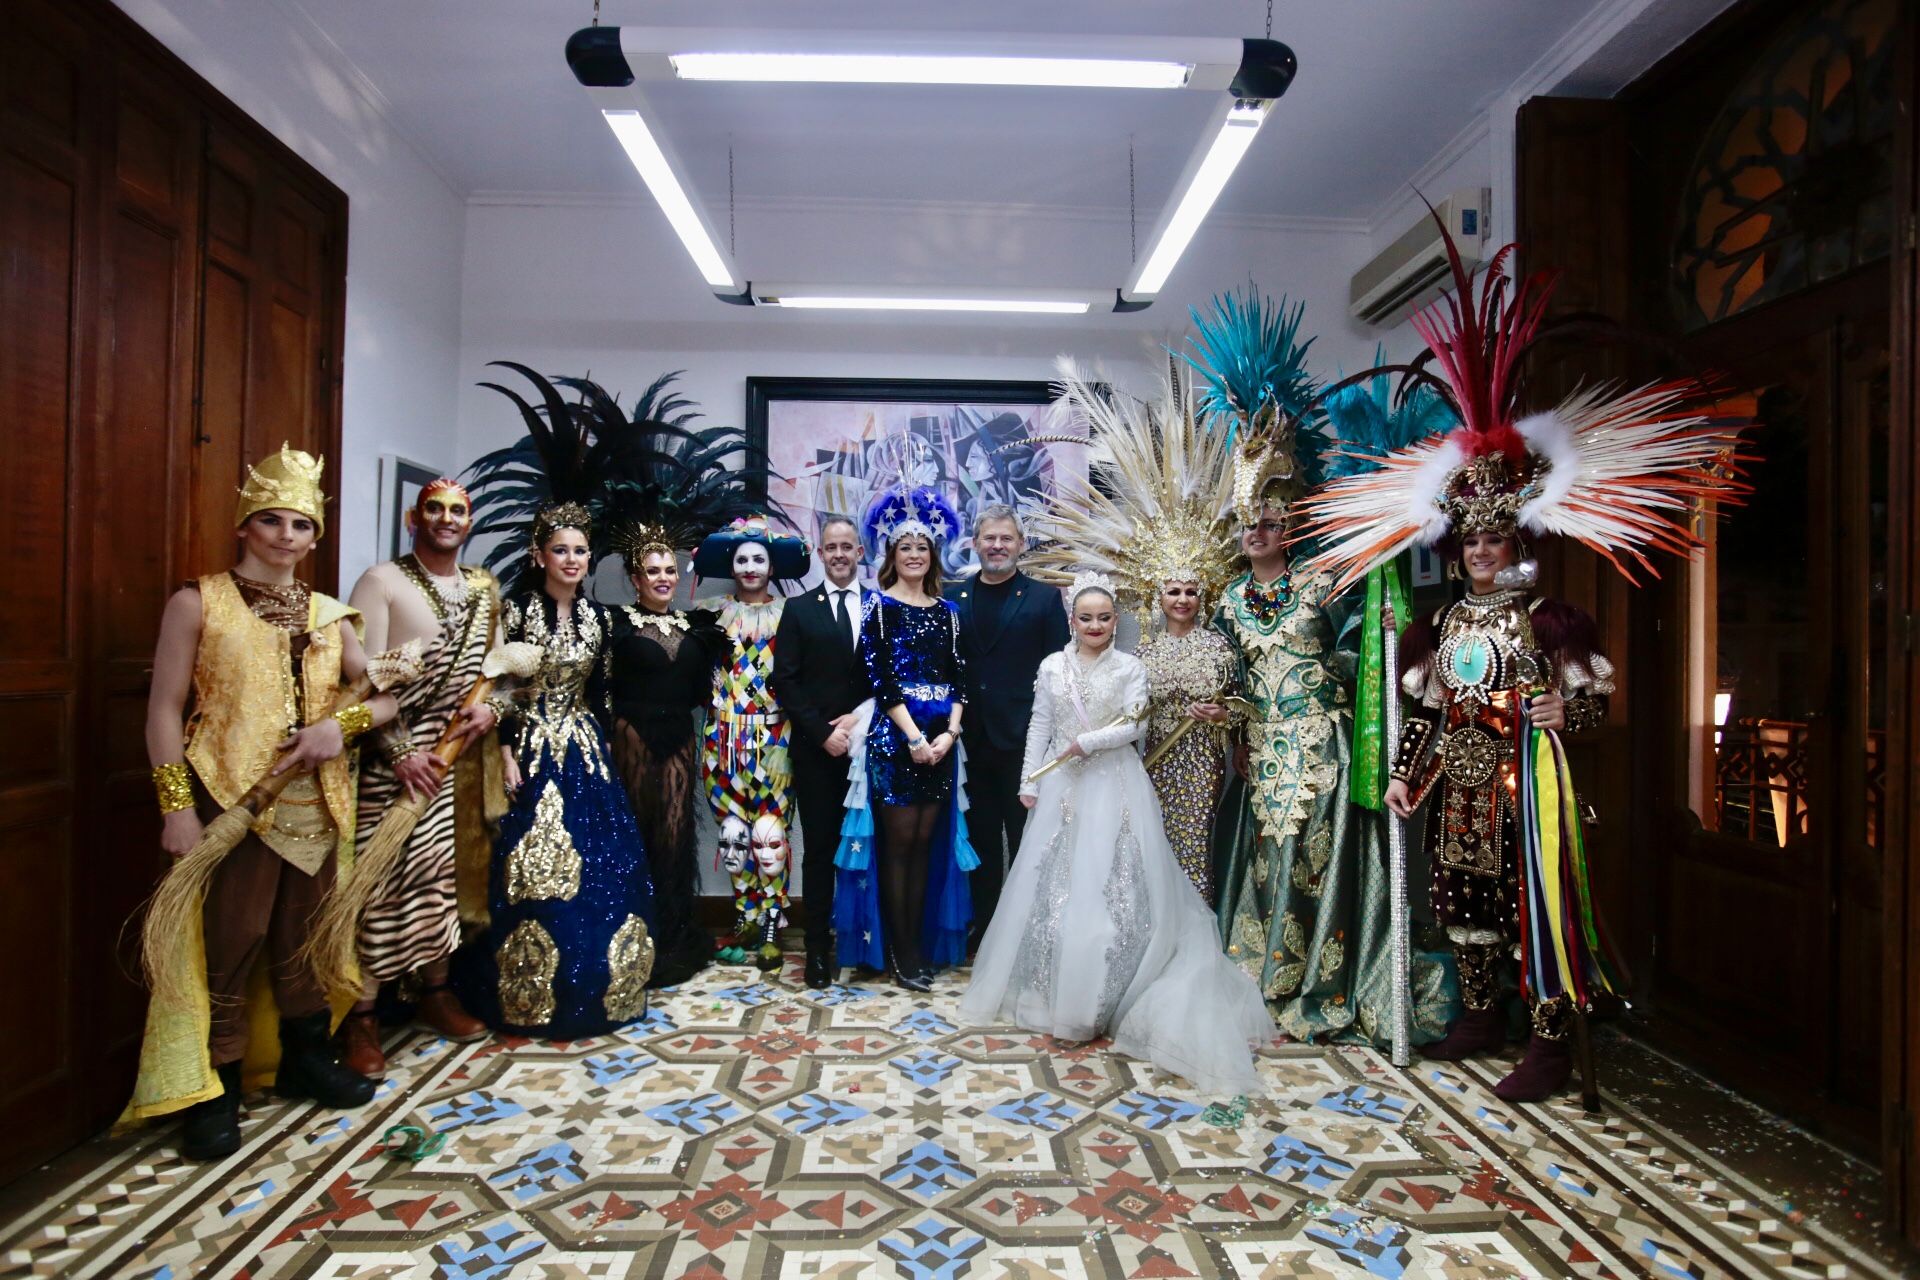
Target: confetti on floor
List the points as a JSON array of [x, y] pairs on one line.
[[750, 1127]]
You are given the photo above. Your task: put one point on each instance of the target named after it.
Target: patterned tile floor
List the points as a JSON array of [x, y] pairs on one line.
[[753, 1128]]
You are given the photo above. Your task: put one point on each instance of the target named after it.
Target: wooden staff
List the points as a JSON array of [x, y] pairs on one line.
[[183, 891], [333, 946]]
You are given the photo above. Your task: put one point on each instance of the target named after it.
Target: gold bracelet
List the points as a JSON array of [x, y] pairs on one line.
[[354, 721], [173, 786]]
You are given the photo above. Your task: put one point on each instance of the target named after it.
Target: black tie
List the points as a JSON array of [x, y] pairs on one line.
[[840, 613]]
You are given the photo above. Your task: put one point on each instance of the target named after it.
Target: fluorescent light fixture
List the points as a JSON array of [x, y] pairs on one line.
[[884, 68], [657, 172], [932, 298], [1203, 185]]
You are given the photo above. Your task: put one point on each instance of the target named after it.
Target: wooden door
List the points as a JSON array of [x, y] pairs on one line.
[[46, 287], [121, 343], [1901, 922]]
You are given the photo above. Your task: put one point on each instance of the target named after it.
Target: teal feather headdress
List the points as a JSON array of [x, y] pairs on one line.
[[1253, 362], [1367, 424]]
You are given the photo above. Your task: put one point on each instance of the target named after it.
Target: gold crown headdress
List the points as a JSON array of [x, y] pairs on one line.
[[561, 515], [1156, 510], [285, 481]]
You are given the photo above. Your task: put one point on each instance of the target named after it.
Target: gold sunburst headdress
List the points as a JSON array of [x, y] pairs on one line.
[[1156, 508]]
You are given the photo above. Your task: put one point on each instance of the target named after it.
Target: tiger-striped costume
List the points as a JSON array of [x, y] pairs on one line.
[[414, 918]]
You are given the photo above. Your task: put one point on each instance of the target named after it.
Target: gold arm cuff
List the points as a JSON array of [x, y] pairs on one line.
[[173, 785], [354, 721]]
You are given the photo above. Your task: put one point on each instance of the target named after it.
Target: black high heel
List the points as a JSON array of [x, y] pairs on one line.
[[914, 980]]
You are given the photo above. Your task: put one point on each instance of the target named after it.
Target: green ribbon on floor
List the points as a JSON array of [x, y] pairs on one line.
[[412, 1142], [1368, 778]]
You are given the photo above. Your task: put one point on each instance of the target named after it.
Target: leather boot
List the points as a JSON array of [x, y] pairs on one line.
[[210, 1130], [441, 1012], [1474, 1032], [311, 1068], [1543, 1072], [769, 958], [360, 1044]]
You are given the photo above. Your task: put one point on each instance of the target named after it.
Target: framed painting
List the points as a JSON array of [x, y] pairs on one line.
[[833, 443], [400, 483]]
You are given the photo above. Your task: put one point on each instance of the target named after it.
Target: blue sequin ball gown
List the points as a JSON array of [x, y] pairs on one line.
[[570, 944], [912, 657]]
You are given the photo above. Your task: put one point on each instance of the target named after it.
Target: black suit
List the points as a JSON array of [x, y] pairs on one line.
[[817, 675], [1002, 662]]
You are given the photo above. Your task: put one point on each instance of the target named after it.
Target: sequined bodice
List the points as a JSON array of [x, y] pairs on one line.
[[555, 709], [1289, 647], [1182, 670]]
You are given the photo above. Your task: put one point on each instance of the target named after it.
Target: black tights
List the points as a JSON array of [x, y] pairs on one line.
[[908, 837]]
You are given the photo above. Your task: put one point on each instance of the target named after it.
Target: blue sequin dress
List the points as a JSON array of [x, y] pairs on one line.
[[570, 944], [912, 657]]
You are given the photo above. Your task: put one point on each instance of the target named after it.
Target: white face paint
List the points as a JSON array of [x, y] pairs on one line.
[[751, 564], [734, 846]]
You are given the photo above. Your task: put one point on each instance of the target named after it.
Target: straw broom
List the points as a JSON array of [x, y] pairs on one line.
[[183, 891], [333, 947]]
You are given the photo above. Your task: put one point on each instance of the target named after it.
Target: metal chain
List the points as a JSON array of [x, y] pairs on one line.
[[1269, 18], [1133, 226], [596, 12], [730, 248]]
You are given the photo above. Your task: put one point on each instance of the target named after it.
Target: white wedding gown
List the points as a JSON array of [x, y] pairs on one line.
[[1099, 931]]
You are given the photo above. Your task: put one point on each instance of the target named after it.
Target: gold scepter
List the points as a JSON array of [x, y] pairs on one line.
[[183, 890], [333, 947], [1180, 730], [1059, 760]]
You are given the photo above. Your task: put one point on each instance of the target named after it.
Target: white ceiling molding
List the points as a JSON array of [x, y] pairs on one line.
[[1393, 210], [363, 87], [1571, 63]]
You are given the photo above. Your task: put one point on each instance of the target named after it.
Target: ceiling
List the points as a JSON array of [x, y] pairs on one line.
[[482, 89]]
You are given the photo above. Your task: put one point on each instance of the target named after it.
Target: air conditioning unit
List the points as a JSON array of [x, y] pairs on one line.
[[1413, 271]]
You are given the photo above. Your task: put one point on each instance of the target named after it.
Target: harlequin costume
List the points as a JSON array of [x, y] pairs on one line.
[[268, 663], [1304, 890], [743, 761], [1609, 469]]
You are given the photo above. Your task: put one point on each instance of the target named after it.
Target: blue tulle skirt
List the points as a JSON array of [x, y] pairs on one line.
[[576, 958], [858, 926]]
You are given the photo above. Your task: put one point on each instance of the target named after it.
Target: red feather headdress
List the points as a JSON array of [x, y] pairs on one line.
[[1617, 471]]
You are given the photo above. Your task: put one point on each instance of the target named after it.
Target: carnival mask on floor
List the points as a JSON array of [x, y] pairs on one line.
[[735, 846], [769, 846]]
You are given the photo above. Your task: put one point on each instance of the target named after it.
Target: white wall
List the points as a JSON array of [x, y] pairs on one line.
[[603, 288], [405, 226]]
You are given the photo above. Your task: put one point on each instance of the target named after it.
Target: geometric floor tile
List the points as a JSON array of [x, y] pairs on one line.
[[751, 1127]]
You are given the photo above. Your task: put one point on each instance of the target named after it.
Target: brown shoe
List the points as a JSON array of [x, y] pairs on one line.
[[439, 1011], [360, 1045]]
